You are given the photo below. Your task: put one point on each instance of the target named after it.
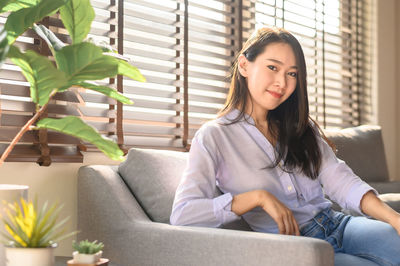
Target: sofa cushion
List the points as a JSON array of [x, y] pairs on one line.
[[362, 149], [391, 199], [153, 176]]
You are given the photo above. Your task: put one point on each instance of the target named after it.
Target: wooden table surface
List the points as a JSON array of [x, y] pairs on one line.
[[62, 261]]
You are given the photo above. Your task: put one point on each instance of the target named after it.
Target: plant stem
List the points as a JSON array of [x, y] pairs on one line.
[[24, 129]]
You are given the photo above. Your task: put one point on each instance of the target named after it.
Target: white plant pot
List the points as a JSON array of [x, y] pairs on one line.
[[86, 258], [30, 256], [9, 193]]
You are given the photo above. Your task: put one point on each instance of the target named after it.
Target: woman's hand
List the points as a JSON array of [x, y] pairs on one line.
[[283, 216]]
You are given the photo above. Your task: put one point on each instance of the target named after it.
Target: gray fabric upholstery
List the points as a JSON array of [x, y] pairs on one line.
[[386, 187], [153, 176], [108, 211], [362, 149], [128, 207], [391, 199]]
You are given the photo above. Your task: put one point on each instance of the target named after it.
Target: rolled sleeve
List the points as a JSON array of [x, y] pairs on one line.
[[223, 209], [340, 183], [197, 200], [357, 191]]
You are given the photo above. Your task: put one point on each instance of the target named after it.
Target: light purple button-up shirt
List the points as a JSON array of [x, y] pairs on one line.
[[234, 159]]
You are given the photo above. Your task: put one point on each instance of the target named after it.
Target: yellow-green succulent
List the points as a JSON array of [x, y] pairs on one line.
[[26, 226]]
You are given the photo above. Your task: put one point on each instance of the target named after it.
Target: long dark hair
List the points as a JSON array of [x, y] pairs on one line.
[[289, 123]]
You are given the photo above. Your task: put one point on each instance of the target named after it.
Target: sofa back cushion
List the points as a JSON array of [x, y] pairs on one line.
[[153, 176], [362, 149]]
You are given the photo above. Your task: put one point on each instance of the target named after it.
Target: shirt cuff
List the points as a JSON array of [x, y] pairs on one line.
[[223, 209], [355, 195]]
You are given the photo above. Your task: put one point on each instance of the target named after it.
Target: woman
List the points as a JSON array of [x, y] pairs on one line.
[[269, 160]]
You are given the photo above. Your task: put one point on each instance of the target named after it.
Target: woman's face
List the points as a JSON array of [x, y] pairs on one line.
[[271, 77]]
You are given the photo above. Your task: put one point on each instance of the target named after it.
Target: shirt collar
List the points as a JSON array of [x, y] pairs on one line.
[[232, 115]]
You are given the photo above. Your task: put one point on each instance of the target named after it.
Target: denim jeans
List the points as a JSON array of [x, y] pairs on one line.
[[356, 240]]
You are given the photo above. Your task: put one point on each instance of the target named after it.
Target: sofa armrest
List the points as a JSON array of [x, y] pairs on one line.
[[108, 212], [386, 187], [100, 190], [164, 244]]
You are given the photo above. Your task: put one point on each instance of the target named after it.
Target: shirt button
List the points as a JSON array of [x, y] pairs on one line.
[[290, 188]]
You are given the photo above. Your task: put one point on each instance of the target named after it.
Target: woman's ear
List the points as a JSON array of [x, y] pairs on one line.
[[242, 65]]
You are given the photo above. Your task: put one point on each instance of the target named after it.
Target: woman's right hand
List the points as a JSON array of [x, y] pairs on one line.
[[282, 215]]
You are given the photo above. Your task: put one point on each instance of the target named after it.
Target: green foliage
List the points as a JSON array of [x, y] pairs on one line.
[[124, 68], [85, 61], [27, 226], [15, 5], [87, 247], [50, 38], [78, 64], [19, 21], [74, 126], [4, 47], [106, 91], [38, 69], [77, 17]]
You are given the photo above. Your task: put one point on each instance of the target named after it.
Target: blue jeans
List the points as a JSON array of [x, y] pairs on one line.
[[356, 240]]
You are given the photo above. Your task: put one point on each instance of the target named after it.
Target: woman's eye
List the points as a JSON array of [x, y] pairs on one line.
[[292, 74], [272, 67]]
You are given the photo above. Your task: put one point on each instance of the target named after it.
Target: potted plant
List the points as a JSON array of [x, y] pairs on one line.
[[32, 233], [86, 252], [78, 64]]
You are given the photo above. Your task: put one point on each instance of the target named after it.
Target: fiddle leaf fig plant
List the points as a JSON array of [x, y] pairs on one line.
[[79, 64]]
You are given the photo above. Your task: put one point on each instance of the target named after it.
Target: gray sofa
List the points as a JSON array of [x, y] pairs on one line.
[[127, 207]]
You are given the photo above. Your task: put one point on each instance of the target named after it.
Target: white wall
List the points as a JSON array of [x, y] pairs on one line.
[[387, 76], [54, 183], [396, 118]]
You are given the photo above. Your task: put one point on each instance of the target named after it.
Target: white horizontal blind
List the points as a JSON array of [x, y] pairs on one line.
[[17, 108], [214, 39], [97, 109], [184, 49], [332, 34]]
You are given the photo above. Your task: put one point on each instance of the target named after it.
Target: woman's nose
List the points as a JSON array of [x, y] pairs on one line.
[[281, 80]]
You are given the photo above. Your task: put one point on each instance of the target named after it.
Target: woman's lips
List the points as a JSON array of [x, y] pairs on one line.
[[275, 94]]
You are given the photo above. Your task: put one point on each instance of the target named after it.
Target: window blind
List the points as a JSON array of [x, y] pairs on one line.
[[185, 49], [17, 109], [333, 35]]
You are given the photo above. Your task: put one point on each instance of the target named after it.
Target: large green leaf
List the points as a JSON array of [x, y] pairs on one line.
[[74, 126], [18, 22], [105, 47], [4, 47], [85, 61], [126, 69], [39, 72], [51, 39], [106, 91], [15, 5], [77, 17]]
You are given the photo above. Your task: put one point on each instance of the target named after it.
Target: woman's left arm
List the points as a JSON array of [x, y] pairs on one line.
[[373, 206]]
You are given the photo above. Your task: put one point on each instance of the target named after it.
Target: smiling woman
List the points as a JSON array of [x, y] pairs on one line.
[[273, 165], [273, 73]]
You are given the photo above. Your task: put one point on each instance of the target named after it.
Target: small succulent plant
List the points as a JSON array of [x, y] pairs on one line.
[[87, 247]]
